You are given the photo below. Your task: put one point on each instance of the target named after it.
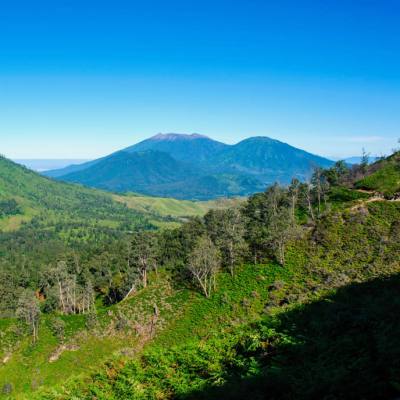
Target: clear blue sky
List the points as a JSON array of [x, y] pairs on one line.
[[83, 78]]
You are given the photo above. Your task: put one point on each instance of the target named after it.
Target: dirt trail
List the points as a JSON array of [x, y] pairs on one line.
[[373, 199]]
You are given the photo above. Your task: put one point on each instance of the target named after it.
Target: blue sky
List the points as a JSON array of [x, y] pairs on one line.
[[80, 79]]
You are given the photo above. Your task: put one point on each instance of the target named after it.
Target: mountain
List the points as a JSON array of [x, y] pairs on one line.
[[123, 171], [194, 148], [195, 167], [157, 173], [269, 160]]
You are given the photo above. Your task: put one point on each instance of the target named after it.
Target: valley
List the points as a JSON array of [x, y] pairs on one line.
[[199, 200], [144, 297]]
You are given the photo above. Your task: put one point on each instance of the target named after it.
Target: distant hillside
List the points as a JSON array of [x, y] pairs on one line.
[[357, 160], [195, 167], [33, 195], [41, 165], [69, 169]]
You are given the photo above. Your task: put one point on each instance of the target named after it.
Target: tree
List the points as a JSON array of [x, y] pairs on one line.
[[294, 192], [57, 326], [226, 229], [142, 258], [281, 229], [203, 265], [28, 311], [320, 186], [256, 214], [306, 195], [364, 162], [270, 221], [337, 174]]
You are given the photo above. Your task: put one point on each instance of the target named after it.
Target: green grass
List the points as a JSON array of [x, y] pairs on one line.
[[386, 179], [184, 316], [201, 343], [29, 367], [169, 207]]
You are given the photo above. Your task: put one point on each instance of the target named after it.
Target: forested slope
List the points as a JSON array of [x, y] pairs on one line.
[[292, 294]]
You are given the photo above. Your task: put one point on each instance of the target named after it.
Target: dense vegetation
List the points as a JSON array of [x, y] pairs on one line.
[[195, 167], [45, 223], [288, 295]]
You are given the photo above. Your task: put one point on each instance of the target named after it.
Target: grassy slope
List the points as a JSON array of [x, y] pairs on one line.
[[37, 195], [189, 322], [183, 357], [167, 209], [184, 315], [386, 179], [28, 367]]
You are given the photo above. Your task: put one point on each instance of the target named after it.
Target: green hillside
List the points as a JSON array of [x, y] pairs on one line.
[[383, 176], [300, 301], [162, 211], [244, 338], [42, 198]]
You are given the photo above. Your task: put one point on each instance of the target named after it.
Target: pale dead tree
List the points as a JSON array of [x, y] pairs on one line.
[[281, 231], [204, 263], [73, 298], [316, 182], [84, 298], [234, 244], [294, 192], [66, 286], [308, 194], [28, 311], [320, 186], [59, 275]]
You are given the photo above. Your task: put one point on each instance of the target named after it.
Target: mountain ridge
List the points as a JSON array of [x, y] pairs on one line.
[[208, 168]]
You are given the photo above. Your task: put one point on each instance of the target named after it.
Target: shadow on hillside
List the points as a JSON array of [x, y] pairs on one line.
[[347, 347]]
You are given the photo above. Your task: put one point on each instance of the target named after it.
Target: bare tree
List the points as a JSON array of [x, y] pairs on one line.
[[281, 230], [320, 186], [294, 190], [204, 263]]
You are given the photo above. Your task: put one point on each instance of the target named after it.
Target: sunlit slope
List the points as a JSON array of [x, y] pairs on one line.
[[25, 194], [383, 176], [170, 207]]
